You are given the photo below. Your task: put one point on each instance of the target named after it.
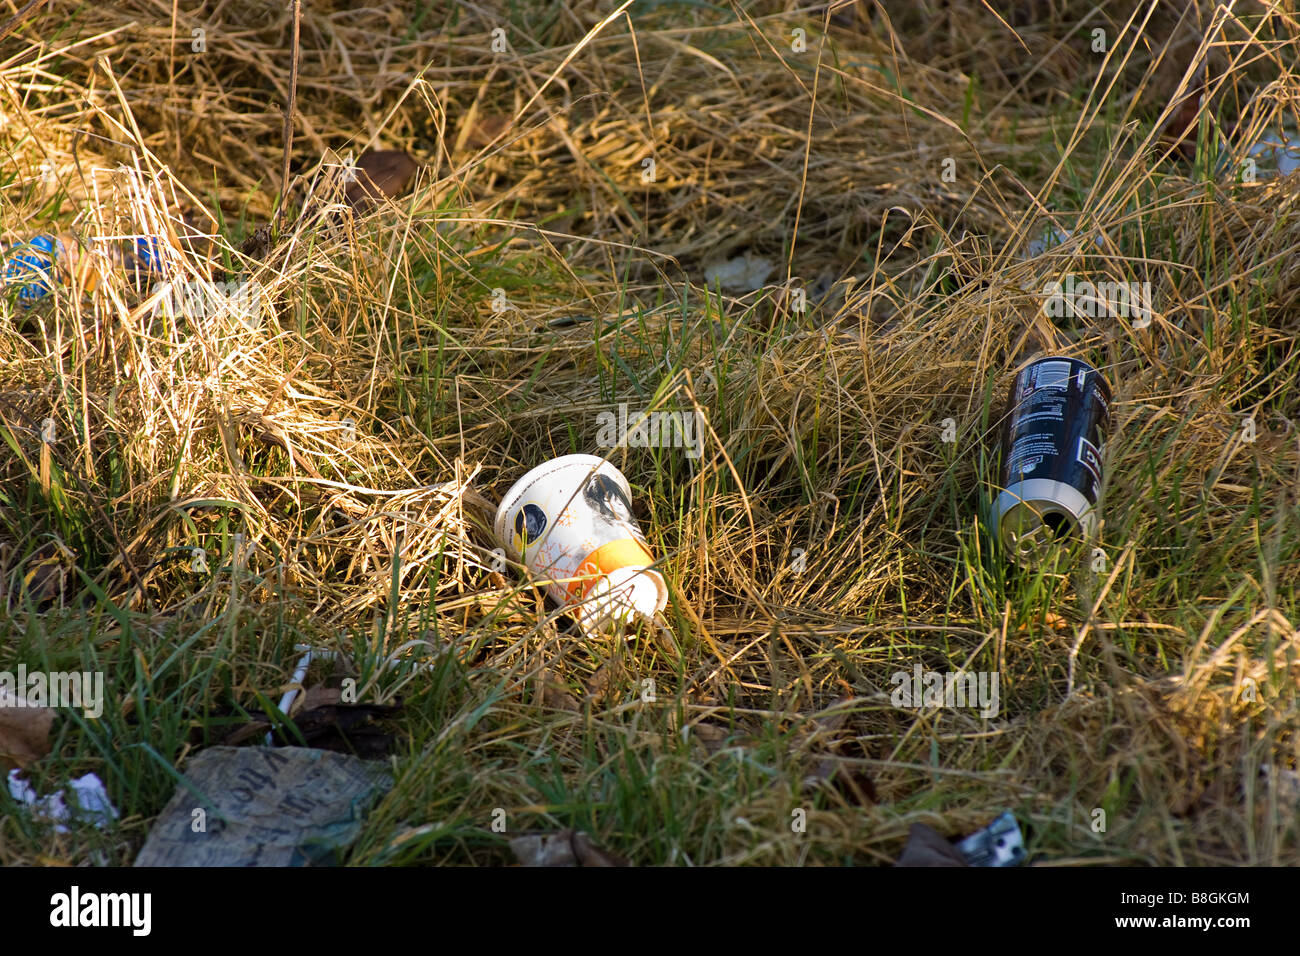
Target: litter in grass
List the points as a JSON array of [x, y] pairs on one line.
[[869, 216], [34, 266], [998, 844], [566, 848], [89, 802], [925, 846], [1286, 782], [324, 722], [31, 266], [299, 675], [1276, 153], [570, 523], [1053, 443], [1050, 239], [745, 273], [264, 806]]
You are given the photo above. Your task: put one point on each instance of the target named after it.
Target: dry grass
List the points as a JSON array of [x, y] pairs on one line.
[[1123, 690]]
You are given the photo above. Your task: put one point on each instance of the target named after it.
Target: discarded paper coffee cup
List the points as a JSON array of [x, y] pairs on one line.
[[570, 522]]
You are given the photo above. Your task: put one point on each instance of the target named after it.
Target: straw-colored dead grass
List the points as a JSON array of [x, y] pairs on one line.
[[359, 434]]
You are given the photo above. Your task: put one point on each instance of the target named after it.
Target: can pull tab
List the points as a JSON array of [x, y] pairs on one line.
[[1041, 538]]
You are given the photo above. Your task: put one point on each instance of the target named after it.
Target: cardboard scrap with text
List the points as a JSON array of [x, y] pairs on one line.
[[264, 806]]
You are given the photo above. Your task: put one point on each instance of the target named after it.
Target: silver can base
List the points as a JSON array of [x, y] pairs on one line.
[[1032, 517]]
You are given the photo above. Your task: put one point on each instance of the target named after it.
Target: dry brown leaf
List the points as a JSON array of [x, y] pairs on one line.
[[24, 731], [487, 129], [381, 173], [712, 737], [555, 693], [927, 847], [607, 682], [854, 783], [318, 696], [1181, 132], [589, 854]]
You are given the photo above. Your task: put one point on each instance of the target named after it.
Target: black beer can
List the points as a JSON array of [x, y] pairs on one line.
[[1053, 443]]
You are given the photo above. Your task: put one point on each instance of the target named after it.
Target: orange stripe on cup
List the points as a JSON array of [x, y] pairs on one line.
[[623, 553]]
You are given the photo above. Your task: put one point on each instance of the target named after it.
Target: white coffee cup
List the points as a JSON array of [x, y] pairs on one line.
[[569, 521]]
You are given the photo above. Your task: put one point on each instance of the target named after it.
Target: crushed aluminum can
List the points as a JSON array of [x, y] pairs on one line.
[[998, 844]]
